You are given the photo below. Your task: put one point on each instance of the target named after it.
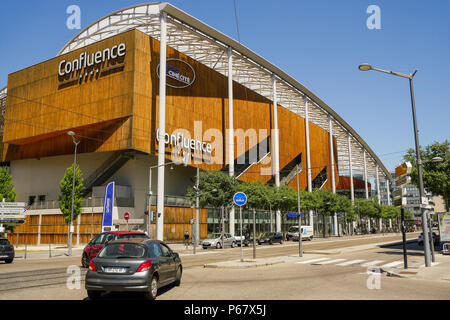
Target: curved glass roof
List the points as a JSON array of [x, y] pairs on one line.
[[209, 46]]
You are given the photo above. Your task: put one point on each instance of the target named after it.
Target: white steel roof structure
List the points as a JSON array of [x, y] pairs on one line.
[[209, 46]]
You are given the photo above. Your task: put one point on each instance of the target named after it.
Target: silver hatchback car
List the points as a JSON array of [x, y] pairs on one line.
[[141, 265]]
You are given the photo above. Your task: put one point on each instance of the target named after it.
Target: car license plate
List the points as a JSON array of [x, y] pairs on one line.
[[115, 270]]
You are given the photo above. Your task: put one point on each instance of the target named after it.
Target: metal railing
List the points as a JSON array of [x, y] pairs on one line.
[[87, 203]]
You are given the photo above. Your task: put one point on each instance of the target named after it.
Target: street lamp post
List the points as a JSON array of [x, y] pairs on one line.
[[300, 249], [75, 142], [150, 192], [367, 67]]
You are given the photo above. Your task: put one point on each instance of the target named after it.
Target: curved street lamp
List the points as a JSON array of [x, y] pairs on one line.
[[367, 67]]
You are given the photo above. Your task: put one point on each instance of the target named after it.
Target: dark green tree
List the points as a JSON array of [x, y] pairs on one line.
[[65, 197], [224, 185], [7, 192], [436, 175]]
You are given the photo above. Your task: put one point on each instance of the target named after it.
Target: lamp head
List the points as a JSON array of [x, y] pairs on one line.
[[365, 67], [437, 159], [70, 133]]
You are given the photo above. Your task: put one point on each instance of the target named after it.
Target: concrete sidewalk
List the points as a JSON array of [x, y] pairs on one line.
[[439, 270]]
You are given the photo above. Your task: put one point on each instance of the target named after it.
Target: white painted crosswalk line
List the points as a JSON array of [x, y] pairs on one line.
[[330, 261], [350, 262], [372, 263], [312, 260], [392, 264]]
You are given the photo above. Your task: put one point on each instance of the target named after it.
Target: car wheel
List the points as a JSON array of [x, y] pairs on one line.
[[94, 294], [270, 242], [310, 238], [85, 261], [9, 260], [281, 241], [178, 276], [233, 244], [152, 289], [218, 246]]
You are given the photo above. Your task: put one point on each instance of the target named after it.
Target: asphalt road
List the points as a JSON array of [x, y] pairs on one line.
[[31, 276], [296, 280]]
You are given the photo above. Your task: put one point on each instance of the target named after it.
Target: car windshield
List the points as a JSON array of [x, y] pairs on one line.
[[4, 242], [216, 235], [293, 229], [123, 250], [267, 234], [133, 236]]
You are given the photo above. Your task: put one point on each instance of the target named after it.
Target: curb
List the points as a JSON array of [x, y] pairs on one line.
[[321, 252], [236, 266]]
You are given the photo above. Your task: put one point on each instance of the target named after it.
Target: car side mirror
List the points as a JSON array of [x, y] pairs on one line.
[[176, 255]]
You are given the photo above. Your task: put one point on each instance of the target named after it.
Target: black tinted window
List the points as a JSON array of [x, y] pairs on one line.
[[154, 250], [4, 242], [118, 250], [166, 251], [133, 236]]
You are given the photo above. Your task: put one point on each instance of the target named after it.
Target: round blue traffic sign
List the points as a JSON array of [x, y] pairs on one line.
[[239, 199]]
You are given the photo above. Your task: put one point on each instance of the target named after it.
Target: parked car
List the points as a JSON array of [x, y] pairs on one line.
[[6, 251], [238, 240], [138, 265], [436, 239], [307, 233], [270, 238], [95, 245], [216, 241]]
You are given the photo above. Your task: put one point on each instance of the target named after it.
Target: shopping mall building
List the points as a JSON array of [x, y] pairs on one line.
[[105, 85]]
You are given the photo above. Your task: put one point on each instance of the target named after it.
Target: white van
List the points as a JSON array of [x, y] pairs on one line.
[[307, 233]]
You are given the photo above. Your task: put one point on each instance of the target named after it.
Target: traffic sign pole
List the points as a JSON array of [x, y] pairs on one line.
[[240, 199], [405, 257]]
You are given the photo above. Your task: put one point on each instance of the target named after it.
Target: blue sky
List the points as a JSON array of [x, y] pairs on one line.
[[320, 43]]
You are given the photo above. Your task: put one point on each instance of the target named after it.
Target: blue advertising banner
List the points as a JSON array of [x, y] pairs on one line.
[[108, 207]]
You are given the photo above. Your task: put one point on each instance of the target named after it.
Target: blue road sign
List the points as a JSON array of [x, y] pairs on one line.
[[294, 215], [239, 199]]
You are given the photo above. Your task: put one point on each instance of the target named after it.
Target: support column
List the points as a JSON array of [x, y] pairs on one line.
[[39, 230], [308, 157], [162, 128], [78, 228], [352, 189], [388, 198], [276, 154], [388, 192], [333, 178], [230, 131], [366, 185], [378, 190]]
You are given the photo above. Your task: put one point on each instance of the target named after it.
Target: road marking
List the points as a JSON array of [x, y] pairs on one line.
[[372, 263], [312, 260], [392, 264], [330, 261], [350, 262]]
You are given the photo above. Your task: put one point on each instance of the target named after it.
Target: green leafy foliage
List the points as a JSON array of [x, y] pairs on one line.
[[436, 175], [224, 185], [65, 197], [7, 192]]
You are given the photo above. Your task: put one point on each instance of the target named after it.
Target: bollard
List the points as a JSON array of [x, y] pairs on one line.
[[25, 251], [49, 250]]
